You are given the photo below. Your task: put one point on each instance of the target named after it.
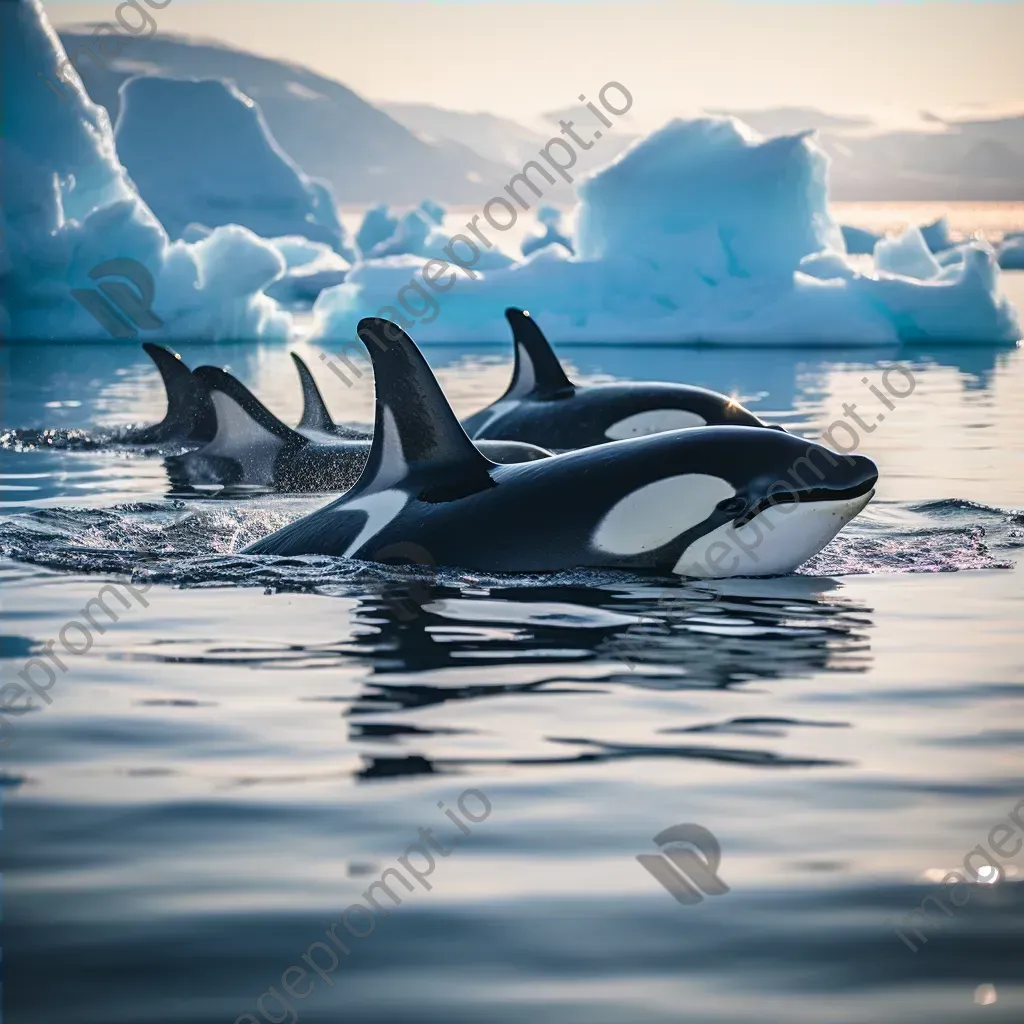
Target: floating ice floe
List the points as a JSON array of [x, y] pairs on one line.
[[1011, 252], [310, 268], [378, 225], [550, 220], [69, 209], [703, 232], [907, 255]]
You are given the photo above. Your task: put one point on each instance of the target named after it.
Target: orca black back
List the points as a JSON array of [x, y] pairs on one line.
[[190, 418]]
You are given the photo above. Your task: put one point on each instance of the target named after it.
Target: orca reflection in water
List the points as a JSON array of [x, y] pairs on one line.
[[252, 447], [541, 402], [658, 502]]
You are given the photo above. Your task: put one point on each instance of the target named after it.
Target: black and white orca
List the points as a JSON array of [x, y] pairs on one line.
[[189, 418], [716, 501], [316, 418], [253, 448], [543, 406]]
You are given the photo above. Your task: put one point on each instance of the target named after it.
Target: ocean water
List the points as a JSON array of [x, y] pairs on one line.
[[226, 770]]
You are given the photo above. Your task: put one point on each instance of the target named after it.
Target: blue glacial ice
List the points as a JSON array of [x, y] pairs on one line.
[[1011, 251], [702, 232], [68, 206], [548, 232], [378, 225]]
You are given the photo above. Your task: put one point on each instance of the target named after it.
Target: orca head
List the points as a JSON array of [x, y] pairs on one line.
[[744, 501], [780, 500]]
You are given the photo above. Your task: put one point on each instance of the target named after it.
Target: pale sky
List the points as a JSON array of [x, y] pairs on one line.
[[883, 58]]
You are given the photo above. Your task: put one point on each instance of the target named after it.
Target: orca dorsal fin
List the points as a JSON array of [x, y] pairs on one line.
[[243, 421], [314, 409], [189, 415], [537, 369], [414, 426]]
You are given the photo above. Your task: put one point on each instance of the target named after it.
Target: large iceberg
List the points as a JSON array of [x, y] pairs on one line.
[[703, 232], [70, 217], [200, 151]]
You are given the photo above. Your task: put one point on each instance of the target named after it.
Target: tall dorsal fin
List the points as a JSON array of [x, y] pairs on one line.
[[414, 426], [242, 419], [314, 409], [189, 415], [537, 369]]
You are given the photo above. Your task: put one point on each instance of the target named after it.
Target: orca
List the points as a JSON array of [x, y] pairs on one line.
[[542, 406], [316, 419], [713, 501], [189, 418], [253, 448]]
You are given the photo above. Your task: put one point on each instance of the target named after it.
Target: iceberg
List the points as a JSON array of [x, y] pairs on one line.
[[937, 235], [310, 267], [550, 220], [859, 241], [409, 239], [70, 217], [1011, 251], [907, 255], [378, 226], [702, 232], [200, 151]]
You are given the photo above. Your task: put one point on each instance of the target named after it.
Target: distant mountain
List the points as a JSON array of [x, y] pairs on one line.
[[969, 160], [960, 163], [326, 128], [790, 120], [495, 138], [504, 140]]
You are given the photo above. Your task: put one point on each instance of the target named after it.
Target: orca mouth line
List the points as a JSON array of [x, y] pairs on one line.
[[814, 494]]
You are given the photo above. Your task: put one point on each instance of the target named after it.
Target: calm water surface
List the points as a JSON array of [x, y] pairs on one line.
[[230, 766]]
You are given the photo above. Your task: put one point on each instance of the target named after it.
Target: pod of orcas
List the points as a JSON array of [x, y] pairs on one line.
[[647, 476]]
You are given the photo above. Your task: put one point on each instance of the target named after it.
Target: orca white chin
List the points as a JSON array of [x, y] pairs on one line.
[[773, 543]]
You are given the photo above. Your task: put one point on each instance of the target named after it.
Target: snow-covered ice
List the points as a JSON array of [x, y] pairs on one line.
[[310, 268], [378, 225], [907, 255], [859, 241], [701, 232], [69, 207], [1011, 252], [549, 232]]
